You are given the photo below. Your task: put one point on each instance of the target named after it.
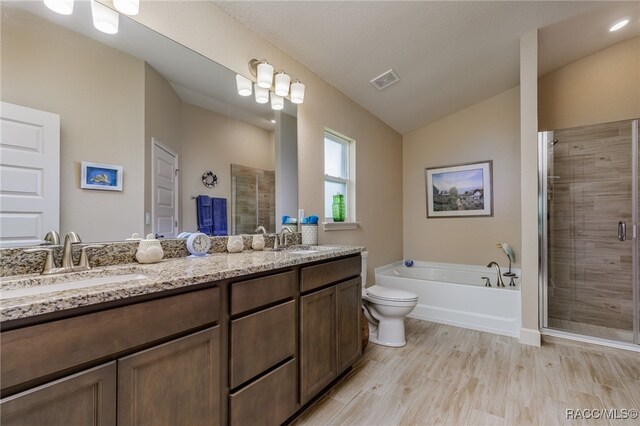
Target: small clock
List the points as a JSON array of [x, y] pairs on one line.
[[198, 244]]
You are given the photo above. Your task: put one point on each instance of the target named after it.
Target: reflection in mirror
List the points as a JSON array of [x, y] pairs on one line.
[[136, 99], [253, 199]]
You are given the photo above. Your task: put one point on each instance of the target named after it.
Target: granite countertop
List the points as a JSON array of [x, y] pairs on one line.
[[166, 275]]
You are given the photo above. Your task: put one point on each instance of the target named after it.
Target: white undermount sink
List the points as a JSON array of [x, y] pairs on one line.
[[69, 285]]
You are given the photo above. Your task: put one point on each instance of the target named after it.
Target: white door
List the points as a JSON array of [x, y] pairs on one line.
[[164, 182], [29, 175]]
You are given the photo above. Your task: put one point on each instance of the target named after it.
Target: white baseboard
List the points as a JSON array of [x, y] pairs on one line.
[[531, 337]]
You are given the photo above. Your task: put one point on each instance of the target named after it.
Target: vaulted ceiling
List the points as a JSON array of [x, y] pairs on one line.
[[448, 55]]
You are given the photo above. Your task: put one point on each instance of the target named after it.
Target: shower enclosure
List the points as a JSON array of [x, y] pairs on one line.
[[588, 208]]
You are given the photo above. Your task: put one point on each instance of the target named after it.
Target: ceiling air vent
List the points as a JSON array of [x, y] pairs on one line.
[[385, 80]]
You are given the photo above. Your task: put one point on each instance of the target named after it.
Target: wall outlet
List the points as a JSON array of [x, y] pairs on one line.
[[147, 218], [300, 215]]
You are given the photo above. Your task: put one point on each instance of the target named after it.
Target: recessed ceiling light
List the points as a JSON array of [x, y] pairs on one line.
[[618, 25]]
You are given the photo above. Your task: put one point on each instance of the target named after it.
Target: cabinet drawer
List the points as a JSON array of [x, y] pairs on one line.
[[37, 351], [251, 294], [260, 341], [330, 272], [269, 401]]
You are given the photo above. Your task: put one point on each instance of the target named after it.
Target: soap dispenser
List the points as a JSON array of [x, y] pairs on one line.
[[149, 250]]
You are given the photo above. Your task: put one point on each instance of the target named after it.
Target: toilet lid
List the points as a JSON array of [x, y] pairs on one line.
[[386, 293]]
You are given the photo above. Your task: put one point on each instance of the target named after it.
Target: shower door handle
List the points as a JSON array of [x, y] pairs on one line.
[[622, 231]]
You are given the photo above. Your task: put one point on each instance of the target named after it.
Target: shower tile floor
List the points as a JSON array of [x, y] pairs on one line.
[[450, 375], [592, 330]]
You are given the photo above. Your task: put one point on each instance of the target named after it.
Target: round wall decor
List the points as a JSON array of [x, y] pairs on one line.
[[209, 179]]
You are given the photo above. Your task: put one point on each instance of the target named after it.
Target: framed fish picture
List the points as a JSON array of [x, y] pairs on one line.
[[105, 177]]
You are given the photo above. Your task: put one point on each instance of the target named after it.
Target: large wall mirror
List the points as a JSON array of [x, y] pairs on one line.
[[135, 102]]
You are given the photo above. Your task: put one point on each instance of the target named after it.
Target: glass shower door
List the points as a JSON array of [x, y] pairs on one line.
[[591, 208]]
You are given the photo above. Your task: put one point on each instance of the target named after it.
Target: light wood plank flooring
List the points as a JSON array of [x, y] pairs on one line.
[[449, 375]]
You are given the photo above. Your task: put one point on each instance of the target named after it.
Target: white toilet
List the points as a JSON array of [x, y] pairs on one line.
[[385, 308]]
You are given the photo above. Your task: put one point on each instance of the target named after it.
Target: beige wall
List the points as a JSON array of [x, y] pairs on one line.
[[163, 119], [529, 333], [213, 142], [599, 88], [205, 28], [99, 94], [488, 130]]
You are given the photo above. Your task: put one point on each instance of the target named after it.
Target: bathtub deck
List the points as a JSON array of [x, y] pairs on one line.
[[457, 376]]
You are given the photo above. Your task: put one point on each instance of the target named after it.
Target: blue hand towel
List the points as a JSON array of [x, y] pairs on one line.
[[220, 217], [205, 214]]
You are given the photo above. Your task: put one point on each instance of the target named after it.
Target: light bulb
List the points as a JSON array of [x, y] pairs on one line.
[[282, 84], [128, 7], [297, 92], [262, 94], [265, 75], [104, 18], [63, 7], [277, 102], [244, 85]]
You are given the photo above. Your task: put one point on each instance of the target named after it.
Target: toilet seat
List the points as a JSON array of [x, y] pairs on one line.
[[378, 292]]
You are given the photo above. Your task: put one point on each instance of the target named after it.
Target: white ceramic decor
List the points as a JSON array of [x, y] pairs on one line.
[[149, 250], [235, 244], [258, 242]]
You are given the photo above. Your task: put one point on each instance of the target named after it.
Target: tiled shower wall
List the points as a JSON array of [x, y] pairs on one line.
[[589, 187], [253, 199]]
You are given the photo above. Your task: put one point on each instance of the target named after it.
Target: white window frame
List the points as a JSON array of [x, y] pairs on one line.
[[350, 184]]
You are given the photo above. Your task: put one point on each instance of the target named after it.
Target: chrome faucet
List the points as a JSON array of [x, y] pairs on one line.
[[281, 240], [260, 229], [500, 283]]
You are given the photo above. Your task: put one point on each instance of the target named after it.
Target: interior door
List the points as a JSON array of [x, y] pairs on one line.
[[29, 175], [165, 190]]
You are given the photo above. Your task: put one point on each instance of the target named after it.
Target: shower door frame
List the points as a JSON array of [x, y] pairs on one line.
[[544, 138]]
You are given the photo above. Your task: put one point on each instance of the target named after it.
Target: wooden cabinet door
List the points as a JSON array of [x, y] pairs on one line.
[[86, 398], [177, 383], [348, 335], [317, 342]]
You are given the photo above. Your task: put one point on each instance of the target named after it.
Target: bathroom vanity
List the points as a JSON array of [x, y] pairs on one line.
[[240, 339]]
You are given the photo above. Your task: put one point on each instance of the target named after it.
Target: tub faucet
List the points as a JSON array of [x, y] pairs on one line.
[[500, 283]]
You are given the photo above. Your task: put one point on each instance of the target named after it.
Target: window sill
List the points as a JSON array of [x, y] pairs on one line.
[[340, 226]]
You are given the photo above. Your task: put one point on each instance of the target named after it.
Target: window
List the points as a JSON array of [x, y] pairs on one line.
[[339, 173]]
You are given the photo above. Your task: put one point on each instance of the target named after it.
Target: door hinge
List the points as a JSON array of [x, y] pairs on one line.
[[634, 231]]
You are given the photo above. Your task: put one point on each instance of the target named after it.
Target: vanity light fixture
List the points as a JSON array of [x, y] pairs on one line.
[[104, 18], [128, 7], [283, 81], [63, 7], [618, 25], [277, 102], [297, 92], [263, 73], [262, 94], [244, 85]]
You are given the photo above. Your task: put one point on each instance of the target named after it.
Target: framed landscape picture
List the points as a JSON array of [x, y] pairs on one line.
[[106, 177], [463, 190]]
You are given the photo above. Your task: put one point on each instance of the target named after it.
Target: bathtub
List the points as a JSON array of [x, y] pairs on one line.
[[455, 294]]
